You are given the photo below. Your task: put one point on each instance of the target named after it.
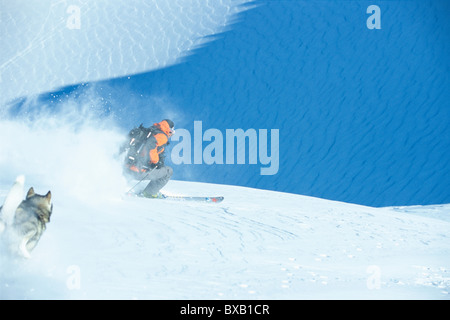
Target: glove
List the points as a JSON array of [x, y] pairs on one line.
[[152, 165], [162, 157], [157, 165]]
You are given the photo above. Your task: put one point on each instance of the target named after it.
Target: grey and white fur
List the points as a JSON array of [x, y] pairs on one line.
[[22, 223]]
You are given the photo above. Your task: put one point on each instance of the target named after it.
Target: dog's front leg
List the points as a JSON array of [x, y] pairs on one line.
[[23, 251]]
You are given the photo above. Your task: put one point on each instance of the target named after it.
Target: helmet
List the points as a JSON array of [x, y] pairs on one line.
[[170, 123], [167, 126]]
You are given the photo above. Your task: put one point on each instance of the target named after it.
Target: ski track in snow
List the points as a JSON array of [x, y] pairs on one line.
[[255, 245]]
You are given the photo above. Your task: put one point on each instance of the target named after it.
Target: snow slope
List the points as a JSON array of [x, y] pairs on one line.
[[255, 245], [48, 44]]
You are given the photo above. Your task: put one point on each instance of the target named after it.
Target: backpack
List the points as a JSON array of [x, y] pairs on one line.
[[136, 141]]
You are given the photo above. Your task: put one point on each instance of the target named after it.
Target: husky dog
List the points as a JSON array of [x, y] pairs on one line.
[[30, 220], [27, 221]]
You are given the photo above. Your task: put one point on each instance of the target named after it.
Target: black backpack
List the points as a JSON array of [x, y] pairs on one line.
[[136, 141]]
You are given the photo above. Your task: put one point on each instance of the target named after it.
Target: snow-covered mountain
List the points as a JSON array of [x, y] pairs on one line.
[[256, 244], [361, 115]]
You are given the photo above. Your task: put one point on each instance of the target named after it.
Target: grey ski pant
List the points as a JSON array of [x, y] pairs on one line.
[[158, 179]]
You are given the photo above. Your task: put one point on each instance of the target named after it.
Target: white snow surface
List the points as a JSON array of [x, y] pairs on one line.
[[51, 44], [256, 244]]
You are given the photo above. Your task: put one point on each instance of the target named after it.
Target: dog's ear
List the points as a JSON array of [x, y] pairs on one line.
[[30, 192], [48, 196]]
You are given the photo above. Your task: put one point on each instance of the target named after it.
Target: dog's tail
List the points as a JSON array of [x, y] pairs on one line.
[[12, 201]]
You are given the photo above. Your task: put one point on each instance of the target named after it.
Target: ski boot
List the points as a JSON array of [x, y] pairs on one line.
[[158, 195]]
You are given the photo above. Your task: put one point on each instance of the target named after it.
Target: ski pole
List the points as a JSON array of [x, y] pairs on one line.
[[141, 180]]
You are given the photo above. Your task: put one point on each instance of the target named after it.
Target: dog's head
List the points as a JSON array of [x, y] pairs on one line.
[[42, 203]]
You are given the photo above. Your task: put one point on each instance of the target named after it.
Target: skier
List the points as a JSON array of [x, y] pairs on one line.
[[145, 158]]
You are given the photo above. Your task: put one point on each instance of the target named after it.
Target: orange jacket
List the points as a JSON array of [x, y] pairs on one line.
[[153, 147], [160, 140]]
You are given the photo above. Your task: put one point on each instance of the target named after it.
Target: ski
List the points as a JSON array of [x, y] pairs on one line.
[[190, 198], [181, 198]]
